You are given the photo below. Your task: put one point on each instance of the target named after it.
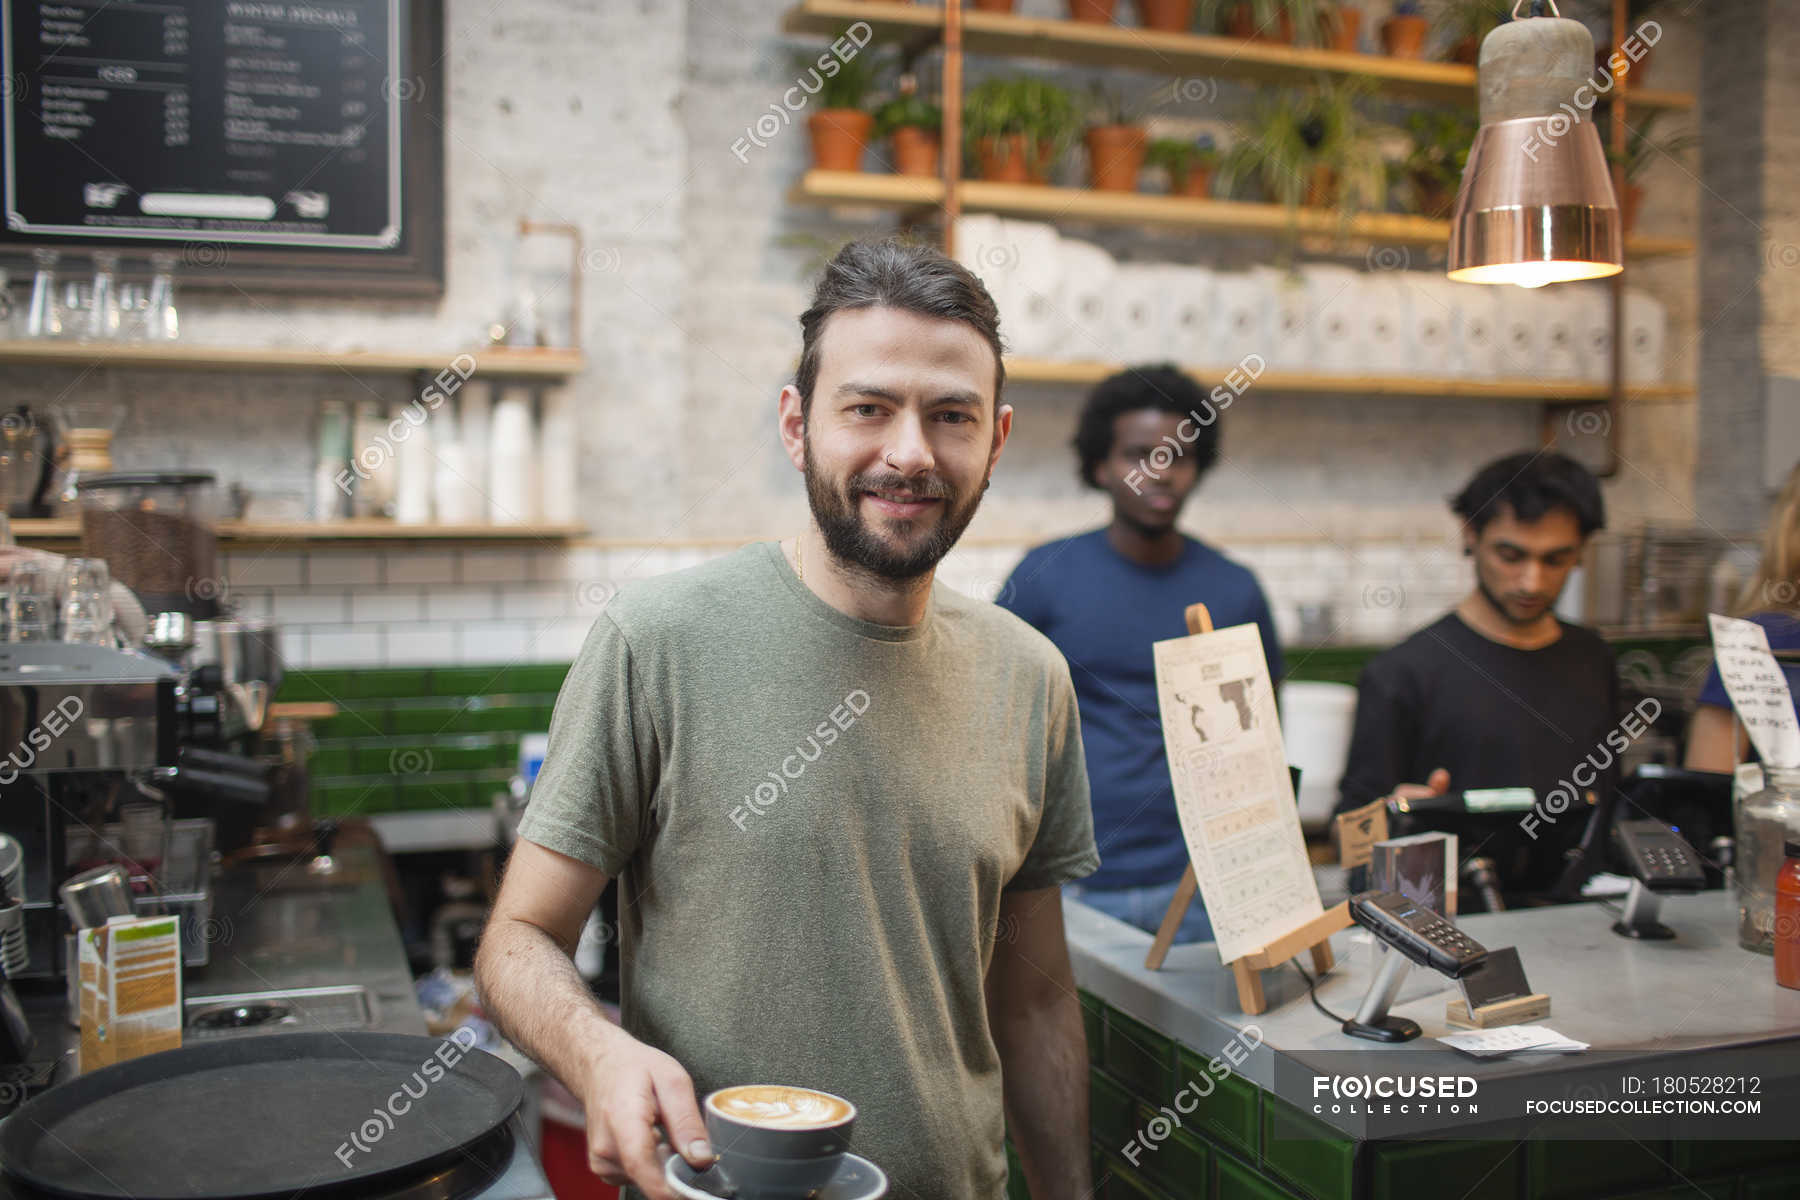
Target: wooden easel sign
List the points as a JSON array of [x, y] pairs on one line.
[[1235, 798]]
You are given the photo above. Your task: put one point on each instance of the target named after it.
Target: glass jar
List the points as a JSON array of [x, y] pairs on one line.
[[158, 531], [1766, 821]]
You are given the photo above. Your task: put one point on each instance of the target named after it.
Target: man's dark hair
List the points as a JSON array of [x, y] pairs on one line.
[[1161, 387], [895, 274], [1531, 484]]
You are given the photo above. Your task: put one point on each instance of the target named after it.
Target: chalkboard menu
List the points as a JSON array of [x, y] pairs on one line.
[[267, 141]]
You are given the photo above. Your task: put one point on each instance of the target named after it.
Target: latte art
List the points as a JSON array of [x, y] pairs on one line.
[[772, 1106]]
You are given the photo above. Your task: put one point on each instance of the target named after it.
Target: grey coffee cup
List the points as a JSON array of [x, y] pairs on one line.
[[763, 1161]]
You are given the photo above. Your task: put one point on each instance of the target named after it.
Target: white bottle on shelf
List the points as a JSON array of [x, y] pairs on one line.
[[512, 474], [557, 458], [415, 467]]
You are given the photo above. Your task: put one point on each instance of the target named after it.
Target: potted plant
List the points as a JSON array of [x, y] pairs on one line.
[[1166, 16], [913, 127], [1190, 164], [1311, 146], [1641, 150], [1467, 22], [1115, 144], [1433, 169], [1099, 12], [1403, 34], [1340, 25], [1017, 128], [840, 129], [1260, 20]]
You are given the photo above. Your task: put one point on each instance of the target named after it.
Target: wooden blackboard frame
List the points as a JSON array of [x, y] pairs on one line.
[[414, 270]]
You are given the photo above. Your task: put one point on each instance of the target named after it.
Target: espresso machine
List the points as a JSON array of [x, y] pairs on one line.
[[86, 732]]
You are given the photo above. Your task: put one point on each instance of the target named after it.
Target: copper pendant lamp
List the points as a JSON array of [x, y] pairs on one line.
[[1536, 204]]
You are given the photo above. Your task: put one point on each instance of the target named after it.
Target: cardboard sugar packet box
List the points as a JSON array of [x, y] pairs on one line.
[[130, 989]]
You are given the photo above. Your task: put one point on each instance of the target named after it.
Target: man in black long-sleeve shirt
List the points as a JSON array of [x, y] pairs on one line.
[[1499, 693]]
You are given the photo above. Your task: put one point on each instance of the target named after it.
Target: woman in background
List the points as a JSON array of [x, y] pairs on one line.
[[1772, 600]]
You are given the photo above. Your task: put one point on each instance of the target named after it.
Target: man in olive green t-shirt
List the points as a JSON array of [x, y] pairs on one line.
[[840, 799]]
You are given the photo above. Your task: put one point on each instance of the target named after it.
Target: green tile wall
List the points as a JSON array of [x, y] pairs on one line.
[[1778, 1185], [1229, 1112], [1234, 1181], [1306, 1151], [1482, 1170], [1243, 1144], [417, 739], [1140, 1058], [1180, 1163], [1579, 1170]]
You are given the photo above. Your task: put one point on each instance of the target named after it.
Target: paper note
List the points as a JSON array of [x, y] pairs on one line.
[[1512, 1039], [1358, 831], [1232, 787], [1758, 689]]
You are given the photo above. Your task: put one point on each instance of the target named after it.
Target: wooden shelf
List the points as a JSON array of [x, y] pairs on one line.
[[358, 531], [1187, 54], [1140, 208], [1533, 391], [182, 356]]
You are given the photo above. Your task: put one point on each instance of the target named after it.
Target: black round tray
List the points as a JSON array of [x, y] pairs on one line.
[[260, 1117]]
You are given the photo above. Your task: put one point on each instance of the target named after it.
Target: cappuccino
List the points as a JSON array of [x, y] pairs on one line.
[[772, 1106]]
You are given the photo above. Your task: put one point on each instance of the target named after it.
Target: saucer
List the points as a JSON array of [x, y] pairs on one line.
[[856, 1179]]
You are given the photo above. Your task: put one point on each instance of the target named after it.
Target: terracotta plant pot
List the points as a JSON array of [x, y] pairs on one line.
[[1240, 22], [1343, 26], [917, 151], [1097, 11], [1404, 36], [999, 6], [1196, 183], [1466, 51], [1166, 16], [1321, 188], [1115, 156], [1435, 200], [839, 137], [1629, 203], [1002, 160]]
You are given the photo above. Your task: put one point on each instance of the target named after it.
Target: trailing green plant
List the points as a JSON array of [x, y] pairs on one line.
[[904, 112], [1307, 16], [1643, 148], [1294, 134], [1108, 106], [1178, 156], [1441, 139], [1046, 115], [849, 86], [1460, 19]]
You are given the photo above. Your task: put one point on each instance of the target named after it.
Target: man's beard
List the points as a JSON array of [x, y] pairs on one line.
[[852, 541], [1494, 602]]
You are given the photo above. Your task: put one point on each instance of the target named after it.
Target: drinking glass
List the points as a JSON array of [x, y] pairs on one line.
[[45, 316], [33, 618], [161, 324], [103, 311]]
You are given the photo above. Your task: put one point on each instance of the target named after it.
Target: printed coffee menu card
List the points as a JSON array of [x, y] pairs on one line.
[[1758, 689], [1232, 787]]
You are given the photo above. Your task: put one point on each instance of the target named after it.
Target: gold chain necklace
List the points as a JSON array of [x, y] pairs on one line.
[[799, 568]]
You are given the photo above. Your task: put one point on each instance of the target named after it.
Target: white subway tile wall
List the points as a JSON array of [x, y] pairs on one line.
[[395, 606]]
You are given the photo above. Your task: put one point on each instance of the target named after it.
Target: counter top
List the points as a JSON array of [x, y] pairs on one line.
[[282, 927], [1692, 1005]]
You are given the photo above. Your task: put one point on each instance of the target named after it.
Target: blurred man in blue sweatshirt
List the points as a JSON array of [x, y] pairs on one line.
[[1146, 437]]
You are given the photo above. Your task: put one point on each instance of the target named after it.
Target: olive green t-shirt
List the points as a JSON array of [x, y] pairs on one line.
[[812, 819]]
